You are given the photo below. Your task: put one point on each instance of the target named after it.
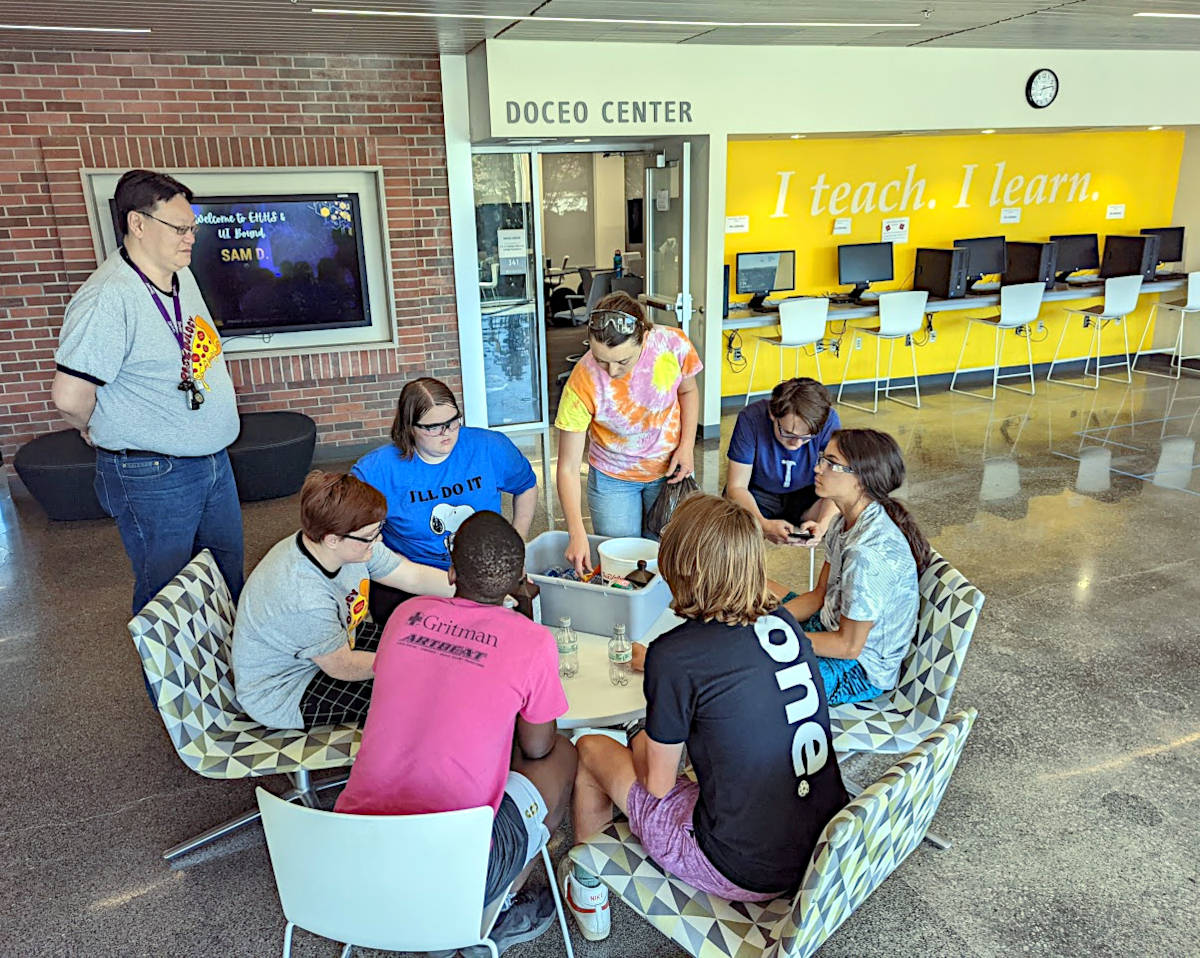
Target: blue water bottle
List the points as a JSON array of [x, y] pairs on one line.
[[617, 263]]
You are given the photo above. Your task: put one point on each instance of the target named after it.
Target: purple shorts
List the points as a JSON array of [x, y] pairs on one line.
[[664, 826]]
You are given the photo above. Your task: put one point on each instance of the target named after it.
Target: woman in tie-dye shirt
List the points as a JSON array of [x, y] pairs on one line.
[[634, 395]]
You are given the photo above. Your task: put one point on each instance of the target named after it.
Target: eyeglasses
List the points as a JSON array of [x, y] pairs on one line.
[[824, 460], [179, 230], [791, 436], [440, 428], [618, 320], [367, 539]]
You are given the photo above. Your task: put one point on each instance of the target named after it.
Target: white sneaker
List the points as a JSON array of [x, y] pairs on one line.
[[588, 905]]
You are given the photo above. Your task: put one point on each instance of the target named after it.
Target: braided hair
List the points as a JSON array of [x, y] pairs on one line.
[[876, 460]]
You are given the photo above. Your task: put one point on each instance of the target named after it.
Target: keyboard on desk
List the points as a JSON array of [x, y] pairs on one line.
[[1167, 277]]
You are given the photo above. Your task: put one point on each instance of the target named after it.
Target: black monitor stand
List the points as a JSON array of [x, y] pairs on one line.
[[756, 302], [855, 295]]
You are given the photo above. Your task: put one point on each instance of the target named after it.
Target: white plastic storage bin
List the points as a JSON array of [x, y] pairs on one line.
[[592, 608]]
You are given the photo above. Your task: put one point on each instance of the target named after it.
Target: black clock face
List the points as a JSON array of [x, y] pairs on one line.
[[1041, 89]]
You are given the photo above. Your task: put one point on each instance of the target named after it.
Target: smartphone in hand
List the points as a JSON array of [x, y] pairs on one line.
[[798, 536]]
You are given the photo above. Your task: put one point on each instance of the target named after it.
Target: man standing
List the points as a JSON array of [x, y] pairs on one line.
[[141, 376]]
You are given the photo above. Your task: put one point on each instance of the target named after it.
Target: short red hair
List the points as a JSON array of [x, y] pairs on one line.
[[335, 503]]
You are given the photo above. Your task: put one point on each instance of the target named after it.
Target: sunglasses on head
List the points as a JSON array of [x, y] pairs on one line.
[[618, 320]]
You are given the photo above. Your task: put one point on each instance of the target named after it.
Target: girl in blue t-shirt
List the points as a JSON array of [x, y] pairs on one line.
[[862, 615], [434, 474]]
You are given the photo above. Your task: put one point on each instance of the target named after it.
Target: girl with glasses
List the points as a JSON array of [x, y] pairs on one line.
[[434, 474], [634, 396], [862, 615], [773, 457]]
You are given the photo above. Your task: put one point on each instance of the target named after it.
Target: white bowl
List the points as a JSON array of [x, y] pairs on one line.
[[619, 557]]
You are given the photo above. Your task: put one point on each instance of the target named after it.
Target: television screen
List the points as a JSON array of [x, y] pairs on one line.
[[280, 263]]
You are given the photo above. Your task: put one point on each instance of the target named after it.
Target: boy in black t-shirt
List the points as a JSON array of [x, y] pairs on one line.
[[738, 684]]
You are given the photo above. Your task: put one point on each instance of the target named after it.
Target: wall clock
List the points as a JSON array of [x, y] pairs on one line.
[[1041, 88]]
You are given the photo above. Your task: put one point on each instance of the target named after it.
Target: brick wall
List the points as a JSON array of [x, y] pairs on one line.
[[64, 110]]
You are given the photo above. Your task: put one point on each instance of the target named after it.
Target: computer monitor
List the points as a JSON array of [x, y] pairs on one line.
[[985, 256], [1076, 251], [861, 264], [1170, 242], [760, 274]]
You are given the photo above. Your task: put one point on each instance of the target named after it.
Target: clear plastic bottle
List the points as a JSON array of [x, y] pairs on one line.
[[620, 656], [568, 648]]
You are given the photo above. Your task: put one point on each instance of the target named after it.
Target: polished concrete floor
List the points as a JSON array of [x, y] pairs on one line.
[[1074, 812]]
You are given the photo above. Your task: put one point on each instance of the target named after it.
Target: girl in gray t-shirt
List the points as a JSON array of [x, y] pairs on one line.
[[862, 615]]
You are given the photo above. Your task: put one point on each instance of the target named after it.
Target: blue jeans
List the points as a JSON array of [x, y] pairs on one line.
[[167, 509], [845, 680], [619, 506]]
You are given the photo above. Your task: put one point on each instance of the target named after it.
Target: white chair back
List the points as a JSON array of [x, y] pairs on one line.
[[1193, 300], [802, 320], [1020, 303], [902, 313], [392, 882], [1121, 295]]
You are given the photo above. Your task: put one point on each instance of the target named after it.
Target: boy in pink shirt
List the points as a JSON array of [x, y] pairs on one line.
[[452, 676]]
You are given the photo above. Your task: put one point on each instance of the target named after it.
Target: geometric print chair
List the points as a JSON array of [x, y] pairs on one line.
[[896, 721], [862, 844], [183, 637]]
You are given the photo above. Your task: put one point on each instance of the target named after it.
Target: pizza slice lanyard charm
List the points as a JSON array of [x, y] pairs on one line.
[[183, 333]]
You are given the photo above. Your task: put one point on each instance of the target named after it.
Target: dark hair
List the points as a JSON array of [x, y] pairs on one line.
[[876, 460], [488, 556], [139, 191], [801, 397], [334, 503], [624, 303], [416, 399]]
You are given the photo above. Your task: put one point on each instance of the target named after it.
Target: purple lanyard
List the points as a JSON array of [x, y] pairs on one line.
[[175, 326]]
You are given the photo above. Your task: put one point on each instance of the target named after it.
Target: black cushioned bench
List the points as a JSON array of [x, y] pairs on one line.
[[270, 459]]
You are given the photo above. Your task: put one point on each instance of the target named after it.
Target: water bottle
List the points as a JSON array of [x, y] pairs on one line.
[[617, 263], [620, 656], [568, 649]]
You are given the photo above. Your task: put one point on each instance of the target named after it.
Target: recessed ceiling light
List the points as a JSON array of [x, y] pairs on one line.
[[429, 14], [1170, 16], [1154, 128], [797, 136], [583, 139], [57, 29], [987, 131]]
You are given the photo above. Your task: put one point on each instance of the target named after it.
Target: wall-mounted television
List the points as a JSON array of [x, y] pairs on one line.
[[280, 264]]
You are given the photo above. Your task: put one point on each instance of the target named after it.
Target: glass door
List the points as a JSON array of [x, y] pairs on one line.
[[509, 289], [667, 224]]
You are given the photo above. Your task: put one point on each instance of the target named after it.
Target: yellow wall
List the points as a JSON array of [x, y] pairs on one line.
[[929, 177]]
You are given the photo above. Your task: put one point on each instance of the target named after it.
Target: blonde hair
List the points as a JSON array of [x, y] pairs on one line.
[[713, 558]]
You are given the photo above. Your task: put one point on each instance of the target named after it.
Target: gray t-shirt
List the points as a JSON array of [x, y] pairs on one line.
[[291, 611], [873, 578], [115, 336]]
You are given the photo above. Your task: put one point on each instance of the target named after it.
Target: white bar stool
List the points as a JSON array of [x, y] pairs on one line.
[[1019, 306], [1120, 299], [1190, 308], [801, 323], [900, 315]]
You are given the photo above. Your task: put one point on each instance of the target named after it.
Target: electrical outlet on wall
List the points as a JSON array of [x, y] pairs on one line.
[[858, 342], [737, 354]]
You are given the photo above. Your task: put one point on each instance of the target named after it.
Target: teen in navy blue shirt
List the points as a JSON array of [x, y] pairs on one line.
[[437, 472], [773, 459]]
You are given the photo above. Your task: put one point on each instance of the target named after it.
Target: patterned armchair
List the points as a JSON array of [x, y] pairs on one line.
[[898, 720], [863, 844], [183, 637]]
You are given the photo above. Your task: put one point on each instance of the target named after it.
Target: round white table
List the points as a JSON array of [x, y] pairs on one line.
[[593, 700]]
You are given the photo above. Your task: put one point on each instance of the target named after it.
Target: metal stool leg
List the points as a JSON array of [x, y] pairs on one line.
[[753, 366], [958, 365]]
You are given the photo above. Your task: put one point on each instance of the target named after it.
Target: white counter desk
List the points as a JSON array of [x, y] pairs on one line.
[[745, 319]]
